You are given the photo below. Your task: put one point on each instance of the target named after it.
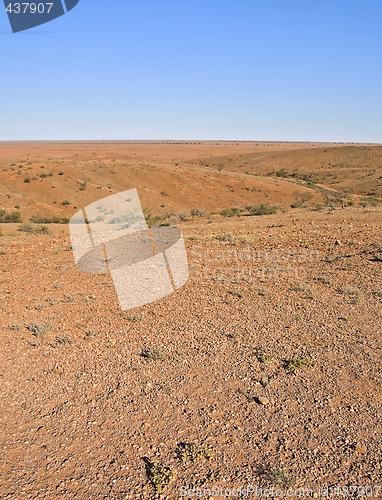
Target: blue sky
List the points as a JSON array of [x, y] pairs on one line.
[[244, 69]]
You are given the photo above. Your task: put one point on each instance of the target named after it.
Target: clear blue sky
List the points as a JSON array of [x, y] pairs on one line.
[[211, 69]]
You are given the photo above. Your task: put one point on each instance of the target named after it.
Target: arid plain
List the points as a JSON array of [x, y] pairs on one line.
[[263, 371]]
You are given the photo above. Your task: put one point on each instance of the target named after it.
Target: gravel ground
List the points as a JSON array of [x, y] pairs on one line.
[[263, 370]]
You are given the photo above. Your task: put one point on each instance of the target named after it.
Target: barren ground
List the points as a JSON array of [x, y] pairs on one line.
[[263, 370]]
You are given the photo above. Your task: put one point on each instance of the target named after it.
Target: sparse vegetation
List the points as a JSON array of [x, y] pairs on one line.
[[192, 452], [182, 215], [224, 237], [263, 209], [264, 358], [197, 212], [297, 363], [155, 354], [282, 476], [38, 329], [160, 475], [230, 212], [151, 220], [371, 201], [29, 227], [63, 339], [301, 198], [9, 218], [38, 219], [15, 327]]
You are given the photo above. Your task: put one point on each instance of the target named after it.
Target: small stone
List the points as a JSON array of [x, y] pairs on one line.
[[338, 242], [360, 448], [264, 381], [261, 400]]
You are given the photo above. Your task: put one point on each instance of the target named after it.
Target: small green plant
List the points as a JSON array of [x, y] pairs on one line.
[[263, 209], [182, 215], [154, 354], [151, 220], [282, 476], [198, 212], [160, 476], [38, 329], [63, 339], [301, 197], [29, 227], [263, 358], [27, 180], [65, 202], [372, 201], [230, 212], [297, 363], [38, 219], [349, 290], [14, 328], [82, 185], [224, 237], [136, 318], [192, 452], [9, 218], [60, 173], [325, 279]]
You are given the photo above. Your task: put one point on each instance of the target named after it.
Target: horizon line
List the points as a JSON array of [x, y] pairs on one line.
[[179, 141]]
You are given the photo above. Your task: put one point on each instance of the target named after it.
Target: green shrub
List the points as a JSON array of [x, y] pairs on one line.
[[12, 217], [263, 209], [160, 476], [297, 363], [182, 215], [230, 212], [373, 201], [198, 212], [301, 197], [224, 237], [281, 173], [151, 220], [192, 452], [29, 227], [38, 219]]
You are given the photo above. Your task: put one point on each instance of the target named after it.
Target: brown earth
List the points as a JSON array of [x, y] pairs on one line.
[[265, 367]]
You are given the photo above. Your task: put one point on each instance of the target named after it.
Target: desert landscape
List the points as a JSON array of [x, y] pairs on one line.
[[263, 371]]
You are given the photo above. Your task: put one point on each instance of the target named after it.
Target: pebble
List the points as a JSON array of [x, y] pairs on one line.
[[264, 381], [262, 400]]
